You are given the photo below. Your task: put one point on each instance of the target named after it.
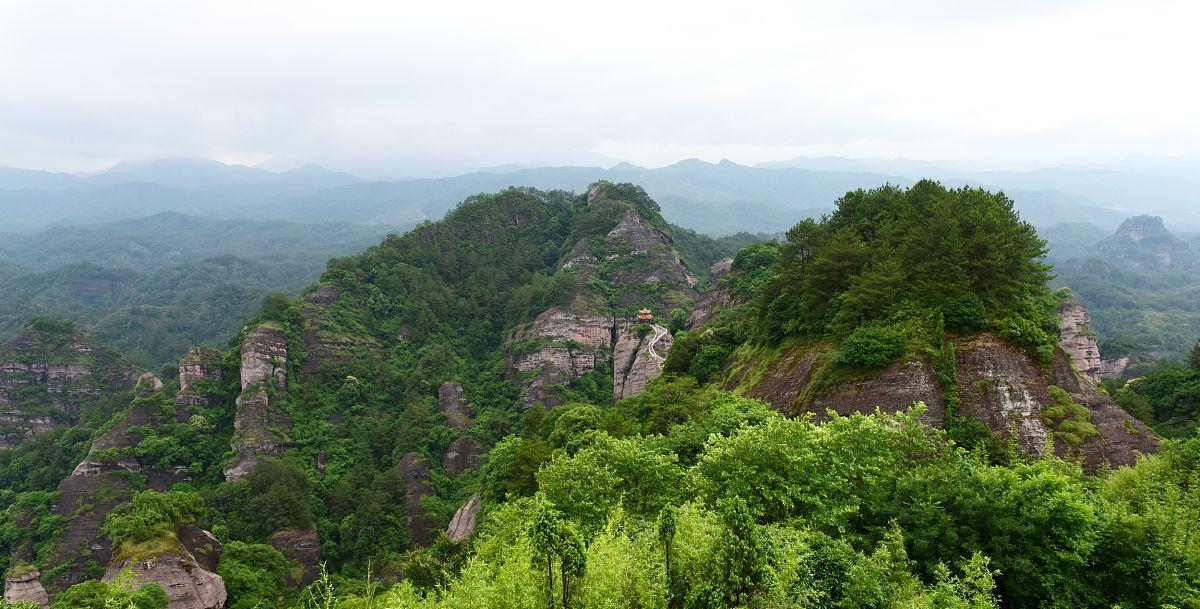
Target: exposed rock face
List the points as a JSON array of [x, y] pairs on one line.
[[568, 342], [258, 422], [785, 385], [1076, 338], [451, 403], [200, 375], [638, 359], [421, 528], [302, 547], [25, 588], [99, 483], [264, 357], [897, 388], [188, 584], [48, 380], [573, 344], [720, 268], [465, 519], [1001, 387]]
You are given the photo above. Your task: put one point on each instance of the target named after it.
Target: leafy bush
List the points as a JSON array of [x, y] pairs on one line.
[[151, 515], [872, 346]]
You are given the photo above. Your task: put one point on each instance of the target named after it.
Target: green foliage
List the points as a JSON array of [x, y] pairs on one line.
[[119, 594], [255, 575], [271, 497], [962, 256], [1167, 398], [872, 345], [151, 515], [1071, 422]]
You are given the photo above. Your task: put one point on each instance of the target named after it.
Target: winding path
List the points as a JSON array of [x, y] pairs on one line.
[[659, 332]]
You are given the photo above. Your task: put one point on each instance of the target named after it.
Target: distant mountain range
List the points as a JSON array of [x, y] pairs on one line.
[[715, 198]]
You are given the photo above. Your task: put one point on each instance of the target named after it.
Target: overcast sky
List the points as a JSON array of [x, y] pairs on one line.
[[410, 88]]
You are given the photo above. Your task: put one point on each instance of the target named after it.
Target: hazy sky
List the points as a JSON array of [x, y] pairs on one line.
[[409, 88]]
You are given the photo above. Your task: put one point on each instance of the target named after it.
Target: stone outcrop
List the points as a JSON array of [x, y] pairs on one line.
[[998, 385], [1077, 339], [465, 519], [327, 343], [571, 344], [200, 377], [48, 379], [24, 587], [638, 359], [786, 384], [1003, 388], [464, 452], [185, 572], [415, 470], [258, 423], [100, 482], [264, 357], [454, 406], [715, 298], [303, 547]]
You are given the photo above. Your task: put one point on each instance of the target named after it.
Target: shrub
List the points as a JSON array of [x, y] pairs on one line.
[[872, 345]]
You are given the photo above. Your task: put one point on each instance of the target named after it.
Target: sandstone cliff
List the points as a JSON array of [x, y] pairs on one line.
[[1076, 338], [184, 572], [102, 481], [998, 385], [258, 422], [52, 375]]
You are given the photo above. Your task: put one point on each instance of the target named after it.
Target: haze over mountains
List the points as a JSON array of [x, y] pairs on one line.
[[716, 198]]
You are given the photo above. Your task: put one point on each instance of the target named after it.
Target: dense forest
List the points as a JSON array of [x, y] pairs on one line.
[[152, 287], [1141, 285], [689, 494]]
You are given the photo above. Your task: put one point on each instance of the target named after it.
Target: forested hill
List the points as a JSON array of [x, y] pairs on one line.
[[1141, 285], [560, 400]]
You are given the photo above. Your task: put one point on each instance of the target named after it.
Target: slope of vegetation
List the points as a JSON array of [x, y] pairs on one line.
[[683, 496]]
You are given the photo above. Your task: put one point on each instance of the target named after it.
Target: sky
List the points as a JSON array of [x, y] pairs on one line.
[[395, 89]]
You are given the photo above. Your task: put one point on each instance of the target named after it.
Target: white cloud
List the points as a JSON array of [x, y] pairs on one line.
[[411, 87]]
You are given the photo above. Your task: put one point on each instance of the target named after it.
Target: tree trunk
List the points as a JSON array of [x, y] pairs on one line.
[[550, 581]]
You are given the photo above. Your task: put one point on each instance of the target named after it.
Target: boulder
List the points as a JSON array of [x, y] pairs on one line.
[[303, 547], [465, 519], [24, 587], [188, 584]]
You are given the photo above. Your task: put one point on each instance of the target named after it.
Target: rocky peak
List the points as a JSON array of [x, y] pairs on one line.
[[101, 481], [1077, 339], [1143, 242], [200, 376], [634, 265]]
